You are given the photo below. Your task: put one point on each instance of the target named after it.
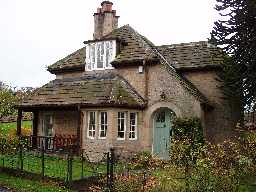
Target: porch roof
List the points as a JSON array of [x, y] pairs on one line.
[[97, 90]]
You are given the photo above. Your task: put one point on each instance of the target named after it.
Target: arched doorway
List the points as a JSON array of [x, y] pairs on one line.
[[163, 123]]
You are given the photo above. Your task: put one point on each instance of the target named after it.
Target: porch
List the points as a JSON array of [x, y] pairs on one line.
[[53, 129]]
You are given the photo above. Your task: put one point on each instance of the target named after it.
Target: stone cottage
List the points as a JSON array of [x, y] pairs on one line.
[[120, 90]]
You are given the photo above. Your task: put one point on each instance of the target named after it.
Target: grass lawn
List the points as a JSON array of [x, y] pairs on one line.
[[6, 127], [55, 166], [27, 185]]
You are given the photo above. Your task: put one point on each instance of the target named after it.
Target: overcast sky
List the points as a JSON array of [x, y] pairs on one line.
[[37, 33]]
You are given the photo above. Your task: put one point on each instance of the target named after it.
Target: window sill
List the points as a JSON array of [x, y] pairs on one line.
[[102, 138], [108, 68], [120, 139], [91, 138]]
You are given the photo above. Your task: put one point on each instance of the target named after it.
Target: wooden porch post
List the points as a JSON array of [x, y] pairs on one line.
[[35, 129], [78, 134], [19, 119]]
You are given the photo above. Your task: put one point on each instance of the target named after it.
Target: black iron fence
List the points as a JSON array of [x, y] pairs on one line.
[[57, 159]]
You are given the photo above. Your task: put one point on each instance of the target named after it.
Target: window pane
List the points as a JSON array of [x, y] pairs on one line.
[[133, 126], [160, 117], [120, 134], [100, 55], [109, 53], [103, 124], [93, 53], [92, 124], [121, 125]]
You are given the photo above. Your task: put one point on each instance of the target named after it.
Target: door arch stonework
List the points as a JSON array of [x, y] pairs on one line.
[[149, 121]]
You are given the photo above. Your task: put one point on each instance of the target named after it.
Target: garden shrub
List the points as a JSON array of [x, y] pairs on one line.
[[144, 161], [25, 131], [187, 140], [206, 166], [188, 128]]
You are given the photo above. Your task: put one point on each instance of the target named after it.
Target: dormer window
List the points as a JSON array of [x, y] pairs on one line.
[[100, 54]]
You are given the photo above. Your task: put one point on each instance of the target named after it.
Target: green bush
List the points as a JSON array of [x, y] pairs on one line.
[[188, 128], [206, 166]]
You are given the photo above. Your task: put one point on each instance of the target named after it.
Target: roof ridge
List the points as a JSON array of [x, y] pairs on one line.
[[185, 43], [149, 46]]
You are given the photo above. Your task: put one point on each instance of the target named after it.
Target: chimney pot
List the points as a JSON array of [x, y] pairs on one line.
[[105, 20], [106, 6], [98, 10], [106, 2]]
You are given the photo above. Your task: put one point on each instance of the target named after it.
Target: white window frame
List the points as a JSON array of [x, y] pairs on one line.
[[118, 125], [135, 126], [91, 66], [105, 124], [95, 125]]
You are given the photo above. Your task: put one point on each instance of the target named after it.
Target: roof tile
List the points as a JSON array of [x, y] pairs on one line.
[[99, 89]]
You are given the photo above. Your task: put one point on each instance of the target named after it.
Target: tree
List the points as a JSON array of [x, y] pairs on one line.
[[10, 96], [236, 34], [7, 101]]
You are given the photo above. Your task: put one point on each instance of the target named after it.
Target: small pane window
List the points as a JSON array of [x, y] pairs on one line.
[[121, 125], [92, 124], [160, 118], [133, 126], [109, 53], [103, 124], [91, 56], [99, 55]]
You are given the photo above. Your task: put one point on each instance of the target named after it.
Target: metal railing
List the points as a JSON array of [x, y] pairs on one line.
[[51, 143]]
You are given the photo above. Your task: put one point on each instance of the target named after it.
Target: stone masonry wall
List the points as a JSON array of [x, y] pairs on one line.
[[174, 96], [97, 146], [219, 122]]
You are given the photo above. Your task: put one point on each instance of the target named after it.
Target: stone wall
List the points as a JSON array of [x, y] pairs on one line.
[[136, 79], [165, 91], [220, 121], [99, 145]]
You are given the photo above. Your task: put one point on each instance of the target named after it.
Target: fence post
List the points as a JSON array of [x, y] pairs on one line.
[[21, 157], [42, 159], [111, 170], [69, 168], [108, 174]]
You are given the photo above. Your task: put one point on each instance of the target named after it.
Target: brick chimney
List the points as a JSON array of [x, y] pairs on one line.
[[105, 20]]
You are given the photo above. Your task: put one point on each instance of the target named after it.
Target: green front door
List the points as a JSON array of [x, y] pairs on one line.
[[162, 133]]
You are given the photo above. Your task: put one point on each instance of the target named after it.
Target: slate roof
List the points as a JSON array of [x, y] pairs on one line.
[[90, 90], [184, 56], [134, 49], [192, 56], [74, 61]]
